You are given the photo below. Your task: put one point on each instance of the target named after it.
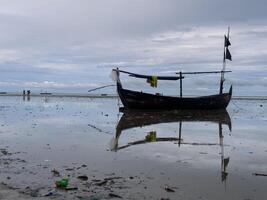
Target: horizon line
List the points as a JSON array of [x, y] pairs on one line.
[[105, 95]]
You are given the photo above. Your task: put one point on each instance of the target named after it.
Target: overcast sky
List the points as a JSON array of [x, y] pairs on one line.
[[68, 45]]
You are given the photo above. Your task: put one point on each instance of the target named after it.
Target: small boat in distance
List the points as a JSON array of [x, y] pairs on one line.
[[146, 101]]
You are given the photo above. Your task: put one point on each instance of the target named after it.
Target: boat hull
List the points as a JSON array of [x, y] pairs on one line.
[[139, 100]]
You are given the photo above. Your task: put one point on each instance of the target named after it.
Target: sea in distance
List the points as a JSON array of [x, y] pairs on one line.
[[108, 154]]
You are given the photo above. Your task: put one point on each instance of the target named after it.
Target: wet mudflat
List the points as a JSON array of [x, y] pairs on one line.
[[105, 154]]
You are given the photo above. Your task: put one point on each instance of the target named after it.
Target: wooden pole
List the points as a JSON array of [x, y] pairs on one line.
[[180, 133], [224, 63], [181, 85], [205, 72], [222, 76]]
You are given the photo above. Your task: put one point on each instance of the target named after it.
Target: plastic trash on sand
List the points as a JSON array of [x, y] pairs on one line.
[[63, 183], [151, 136]]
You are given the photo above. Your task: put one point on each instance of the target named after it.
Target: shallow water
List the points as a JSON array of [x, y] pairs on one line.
[[77, 136]]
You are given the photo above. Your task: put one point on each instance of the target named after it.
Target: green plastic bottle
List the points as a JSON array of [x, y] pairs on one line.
[[63, 183]]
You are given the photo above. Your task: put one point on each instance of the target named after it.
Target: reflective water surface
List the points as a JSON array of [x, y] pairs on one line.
[[152, 155]]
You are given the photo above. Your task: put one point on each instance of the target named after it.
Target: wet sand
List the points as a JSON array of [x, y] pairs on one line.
[[88, 141]]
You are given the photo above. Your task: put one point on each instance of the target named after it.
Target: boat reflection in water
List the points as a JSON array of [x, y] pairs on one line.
[[132, 119]]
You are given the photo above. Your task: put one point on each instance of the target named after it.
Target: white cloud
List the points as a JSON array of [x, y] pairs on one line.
[[7, 55], [60, 67]]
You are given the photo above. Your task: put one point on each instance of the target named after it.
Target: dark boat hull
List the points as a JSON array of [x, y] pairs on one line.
[[139, 100]]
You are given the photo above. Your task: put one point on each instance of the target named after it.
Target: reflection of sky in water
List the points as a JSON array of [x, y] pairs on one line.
[[63, 131]]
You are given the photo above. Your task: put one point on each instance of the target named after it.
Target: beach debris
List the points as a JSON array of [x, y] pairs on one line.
[[70, 169], [4, 152], [112, 178], [49, 193], [102, 183], [168, 189], [29, 191], [151, 136], [112, 195], [98, 129], [96, 180], [83, 177], [98, 196], [63, 183], [55, 173], [94, 197], [71, 188], [105, 181], [259, 174], [35, 193], [82, 166], [83, 197]]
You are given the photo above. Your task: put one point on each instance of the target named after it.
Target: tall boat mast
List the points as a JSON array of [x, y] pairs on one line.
[[226, 55]]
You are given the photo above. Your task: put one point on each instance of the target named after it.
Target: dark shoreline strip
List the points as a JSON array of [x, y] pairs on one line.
[[109, 95], [259, 174]]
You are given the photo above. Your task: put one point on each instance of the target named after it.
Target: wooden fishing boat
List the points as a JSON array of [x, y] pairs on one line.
[[141, 100]]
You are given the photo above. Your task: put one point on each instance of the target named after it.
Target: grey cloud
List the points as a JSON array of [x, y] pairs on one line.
[[82, 40], [96, 18]]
